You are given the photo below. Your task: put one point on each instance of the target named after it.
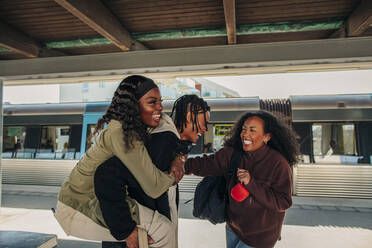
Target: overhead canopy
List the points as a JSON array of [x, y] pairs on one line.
[[333, 54], [57, 41]]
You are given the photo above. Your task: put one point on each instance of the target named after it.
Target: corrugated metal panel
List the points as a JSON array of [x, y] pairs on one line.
[[36, 172], [54, 172], [188, 183], [333, 181], [281, 108]]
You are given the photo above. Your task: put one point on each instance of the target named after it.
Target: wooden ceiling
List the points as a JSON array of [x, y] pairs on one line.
[[48, 28]]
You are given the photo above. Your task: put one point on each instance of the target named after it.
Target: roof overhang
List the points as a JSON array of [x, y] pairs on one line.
[[279, 57]]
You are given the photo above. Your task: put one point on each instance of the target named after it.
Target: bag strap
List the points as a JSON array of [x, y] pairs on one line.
[[234, 163]]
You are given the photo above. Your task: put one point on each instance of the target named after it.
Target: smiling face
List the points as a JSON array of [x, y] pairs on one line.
[[150, 107], [192, 133], [252, 135]]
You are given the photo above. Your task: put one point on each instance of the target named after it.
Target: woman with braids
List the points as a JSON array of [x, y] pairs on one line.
[[260, 190], [93, 201]]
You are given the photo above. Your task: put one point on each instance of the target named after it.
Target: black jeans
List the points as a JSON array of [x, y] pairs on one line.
[[106, 244]]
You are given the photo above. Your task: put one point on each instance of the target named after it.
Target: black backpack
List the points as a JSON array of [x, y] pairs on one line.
[[211, 199]]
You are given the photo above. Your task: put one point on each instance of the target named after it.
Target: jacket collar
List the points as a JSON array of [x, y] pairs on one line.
[[259, 153], [166, 124]]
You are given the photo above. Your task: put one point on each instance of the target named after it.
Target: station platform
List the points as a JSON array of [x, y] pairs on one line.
[[310, 222], [192, 233]]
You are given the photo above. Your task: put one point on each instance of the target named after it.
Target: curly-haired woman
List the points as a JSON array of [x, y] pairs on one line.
[[93, 201], [269, 149]]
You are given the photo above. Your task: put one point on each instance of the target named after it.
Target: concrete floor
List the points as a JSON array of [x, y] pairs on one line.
[[311, 222]]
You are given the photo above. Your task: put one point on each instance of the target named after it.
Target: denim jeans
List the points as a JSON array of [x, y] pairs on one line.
[[232, 241]]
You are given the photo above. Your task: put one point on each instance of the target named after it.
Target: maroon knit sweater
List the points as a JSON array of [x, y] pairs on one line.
[[257, 221]]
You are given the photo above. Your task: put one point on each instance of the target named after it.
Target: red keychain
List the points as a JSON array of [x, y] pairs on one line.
[[239, 193]]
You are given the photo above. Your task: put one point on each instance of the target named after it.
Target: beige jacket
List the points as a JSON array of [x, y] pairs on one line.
[[78, 210]]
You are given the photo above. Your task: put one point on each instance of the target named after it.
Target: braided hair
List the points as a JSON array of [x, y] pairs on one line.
[[191, 103], [124, 108], [283, 138]]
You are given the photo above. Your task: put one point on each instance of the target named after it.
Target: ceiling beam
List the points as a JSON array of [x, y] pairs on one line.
[[358, 21], [98, 17], [230, 19], [18, 42], [314, 54], [281, 27], [339, 33]]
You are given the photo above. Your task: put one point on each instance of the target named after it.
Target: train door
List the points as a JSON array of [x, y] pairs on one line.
[[364, 141], [89, 124], [92, 112], [304, 138]]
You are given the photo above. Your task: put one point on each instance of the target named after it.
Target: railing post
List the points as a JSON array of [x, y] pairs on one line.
[[294, 178]]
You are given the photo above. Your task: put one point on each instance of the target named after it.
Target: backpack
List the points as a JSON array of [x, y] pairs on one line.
[[211, 199]]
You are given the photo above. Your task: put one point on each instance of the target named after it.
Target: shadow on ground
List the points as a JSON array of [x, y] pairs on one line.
[[311, 215], [65, 243], [304, 215], [30, 201]]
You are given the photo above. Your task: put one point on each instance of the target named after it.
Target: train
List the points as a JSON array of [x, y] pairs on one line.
[[42, 142]]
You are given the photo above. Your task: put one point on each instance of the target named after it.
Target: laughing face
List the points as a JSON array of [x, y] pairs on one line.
[[151, 107], [190, 131], [252, 135]]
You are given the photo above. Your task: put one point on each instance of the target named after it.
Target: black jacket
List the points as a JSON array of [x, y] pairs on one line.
[[162, 148]]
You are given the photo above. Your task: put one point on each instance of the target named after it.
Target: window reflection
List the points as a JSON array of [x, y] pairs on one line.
[[13, 141], [55, 139], [334, 143], [42, 142]]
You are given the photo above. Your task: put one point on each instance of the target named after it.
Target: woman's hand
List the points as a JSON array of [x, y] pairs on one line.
[[243, 176], [177, 168], [132, 239]]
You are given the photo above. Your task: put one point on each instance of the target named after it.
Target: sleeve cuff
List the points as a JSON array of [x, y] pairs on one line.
[[124, 235]]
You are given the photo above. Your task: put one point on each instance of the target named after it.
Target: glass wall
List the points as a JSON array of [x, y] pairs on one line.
[[13, 140], [42, 142], [334, 143]]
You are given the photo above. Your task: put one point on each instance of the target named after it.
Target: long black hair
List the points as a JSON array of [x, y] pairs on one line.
[[283, 138], [124, 108], [191, 103]]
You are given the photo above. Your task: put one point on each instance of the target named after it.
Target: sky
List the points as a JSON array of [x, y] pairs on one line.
[[263, 85], [305, 83], [31, 94]]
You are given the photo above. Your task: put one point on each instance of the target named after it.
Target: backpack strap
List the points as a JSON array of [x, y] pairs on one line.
[[234, 164]]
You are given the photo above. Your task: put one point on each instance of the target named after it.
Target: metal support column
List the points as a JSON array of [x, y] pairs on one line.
[[1, 136]]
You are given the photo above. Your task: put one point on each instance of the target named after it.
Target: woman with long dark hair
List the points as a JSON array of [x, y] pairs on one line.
[[93, 203], [260, 190]]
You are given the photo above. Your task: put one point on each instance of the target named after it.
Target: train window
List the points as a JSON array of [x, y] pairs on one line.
[[208, 146], [55, 139], [334, 143], [13, 140], [219, 132]]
